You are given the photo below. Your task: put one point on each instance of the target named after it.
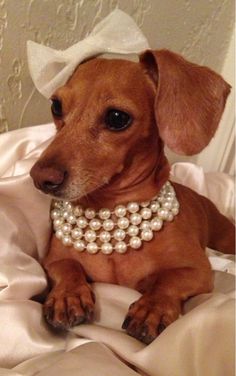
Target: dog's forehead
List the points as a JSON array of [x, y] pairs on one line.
[[110, 71]]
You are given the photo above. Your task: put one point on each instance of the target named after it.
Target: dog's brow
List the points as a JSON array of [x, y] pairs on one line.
[[106, 97]]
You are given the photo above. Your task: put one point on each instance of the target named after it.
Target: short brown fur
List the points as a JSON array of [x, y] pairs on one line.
[[171, 101]]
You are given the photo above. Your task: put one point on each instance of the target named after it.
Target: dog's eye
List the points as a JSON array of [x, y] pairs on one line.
[[56, 108], [117, 120]]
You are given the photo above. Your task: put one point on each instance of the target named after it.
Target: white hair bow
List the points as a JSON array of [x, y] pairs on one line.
[[50, 69]]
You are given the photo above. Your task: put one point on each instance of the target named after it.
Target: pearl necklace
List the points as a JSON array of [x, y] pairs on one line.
[[108, 231]]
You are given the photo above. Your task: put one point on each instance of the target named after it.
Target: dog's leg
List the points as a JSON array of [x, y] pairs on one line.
[[71, 300], [161, 305]]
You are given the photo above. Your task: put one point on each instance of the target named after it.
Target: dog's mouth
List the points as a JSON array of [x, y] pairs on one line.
[[62, 184], [69, 191]]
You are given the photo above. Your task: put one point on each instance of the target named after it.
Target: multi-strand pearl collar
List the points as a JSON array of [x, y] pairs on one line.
[[108, 231]]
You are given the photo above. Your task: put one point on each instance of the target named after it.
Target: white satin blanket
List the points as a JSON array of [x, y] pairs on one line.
[[200, 343]]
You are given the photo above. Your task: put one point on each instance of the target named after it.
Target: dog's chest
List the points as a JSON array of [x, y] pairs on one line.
[[127, 269]]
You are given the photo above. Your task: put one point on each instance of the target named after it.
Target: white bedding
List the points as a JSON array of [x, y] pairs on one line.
[[200, 343]]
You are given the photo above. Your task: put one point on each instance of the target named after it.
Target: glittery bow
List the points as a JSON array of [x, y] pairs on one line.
[[50, 69]]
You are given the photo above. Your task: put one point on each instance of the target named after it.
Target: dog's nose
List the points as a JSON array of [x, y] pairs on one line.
[[48, 179]]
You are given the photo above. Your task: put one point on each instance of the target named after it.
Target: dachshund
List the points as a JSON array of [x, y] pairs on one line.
[[113, 118]]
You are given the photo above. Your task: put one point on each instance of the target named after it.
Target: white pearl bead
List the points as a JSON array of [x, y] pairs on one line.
[[146, 213], [71, 219], [123, 223], [90, 235], [65, 214], [57, 223], [66, 240], [135, 219], [156, 224], [79, 245], [68, 205], [104, 213], [170, 217], [55, 214], [57, 204], [76, 233], [92, 248], [78, 211], [108, 225], [169, 199], [175, 210], [162, 213], [66, 228], [106, 248], [133, 207], [121, 247], [170, 195], [82, 222], [175, 204], [133, 230], [105, 236], [59, 234], [119, 234], [147, 235], [135, 242], [145, 225], [167, 205], [154, 206], [120, 211], [89, 213], [95, 224]]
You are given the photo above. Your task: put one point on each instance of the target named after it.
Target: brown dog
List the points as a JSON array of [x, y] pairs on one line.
[[113, 118]]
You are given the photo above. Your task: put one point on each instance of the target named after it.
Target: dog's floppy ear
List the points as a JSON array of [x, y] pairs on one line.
[[189, 102]]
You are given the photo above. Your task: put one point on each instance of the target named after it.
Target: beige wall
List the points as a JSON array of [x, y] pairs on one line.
[[199, 29]]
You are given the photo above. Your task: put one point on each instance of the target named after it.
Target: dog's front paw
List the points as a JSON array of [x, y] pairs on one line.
[[146, 318], [64, 309]]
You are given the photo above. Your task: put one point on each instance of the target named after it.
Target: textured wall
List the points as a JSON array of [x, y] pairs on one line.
[[200, 29]]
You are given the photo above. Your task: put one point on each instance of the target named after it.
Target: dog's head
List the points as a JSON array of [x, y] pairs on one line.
[[113, 116]]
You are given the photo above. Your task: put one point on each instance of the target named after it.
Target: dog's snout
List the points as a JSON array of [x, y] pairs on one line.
[[48, 179], [53, 184]]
